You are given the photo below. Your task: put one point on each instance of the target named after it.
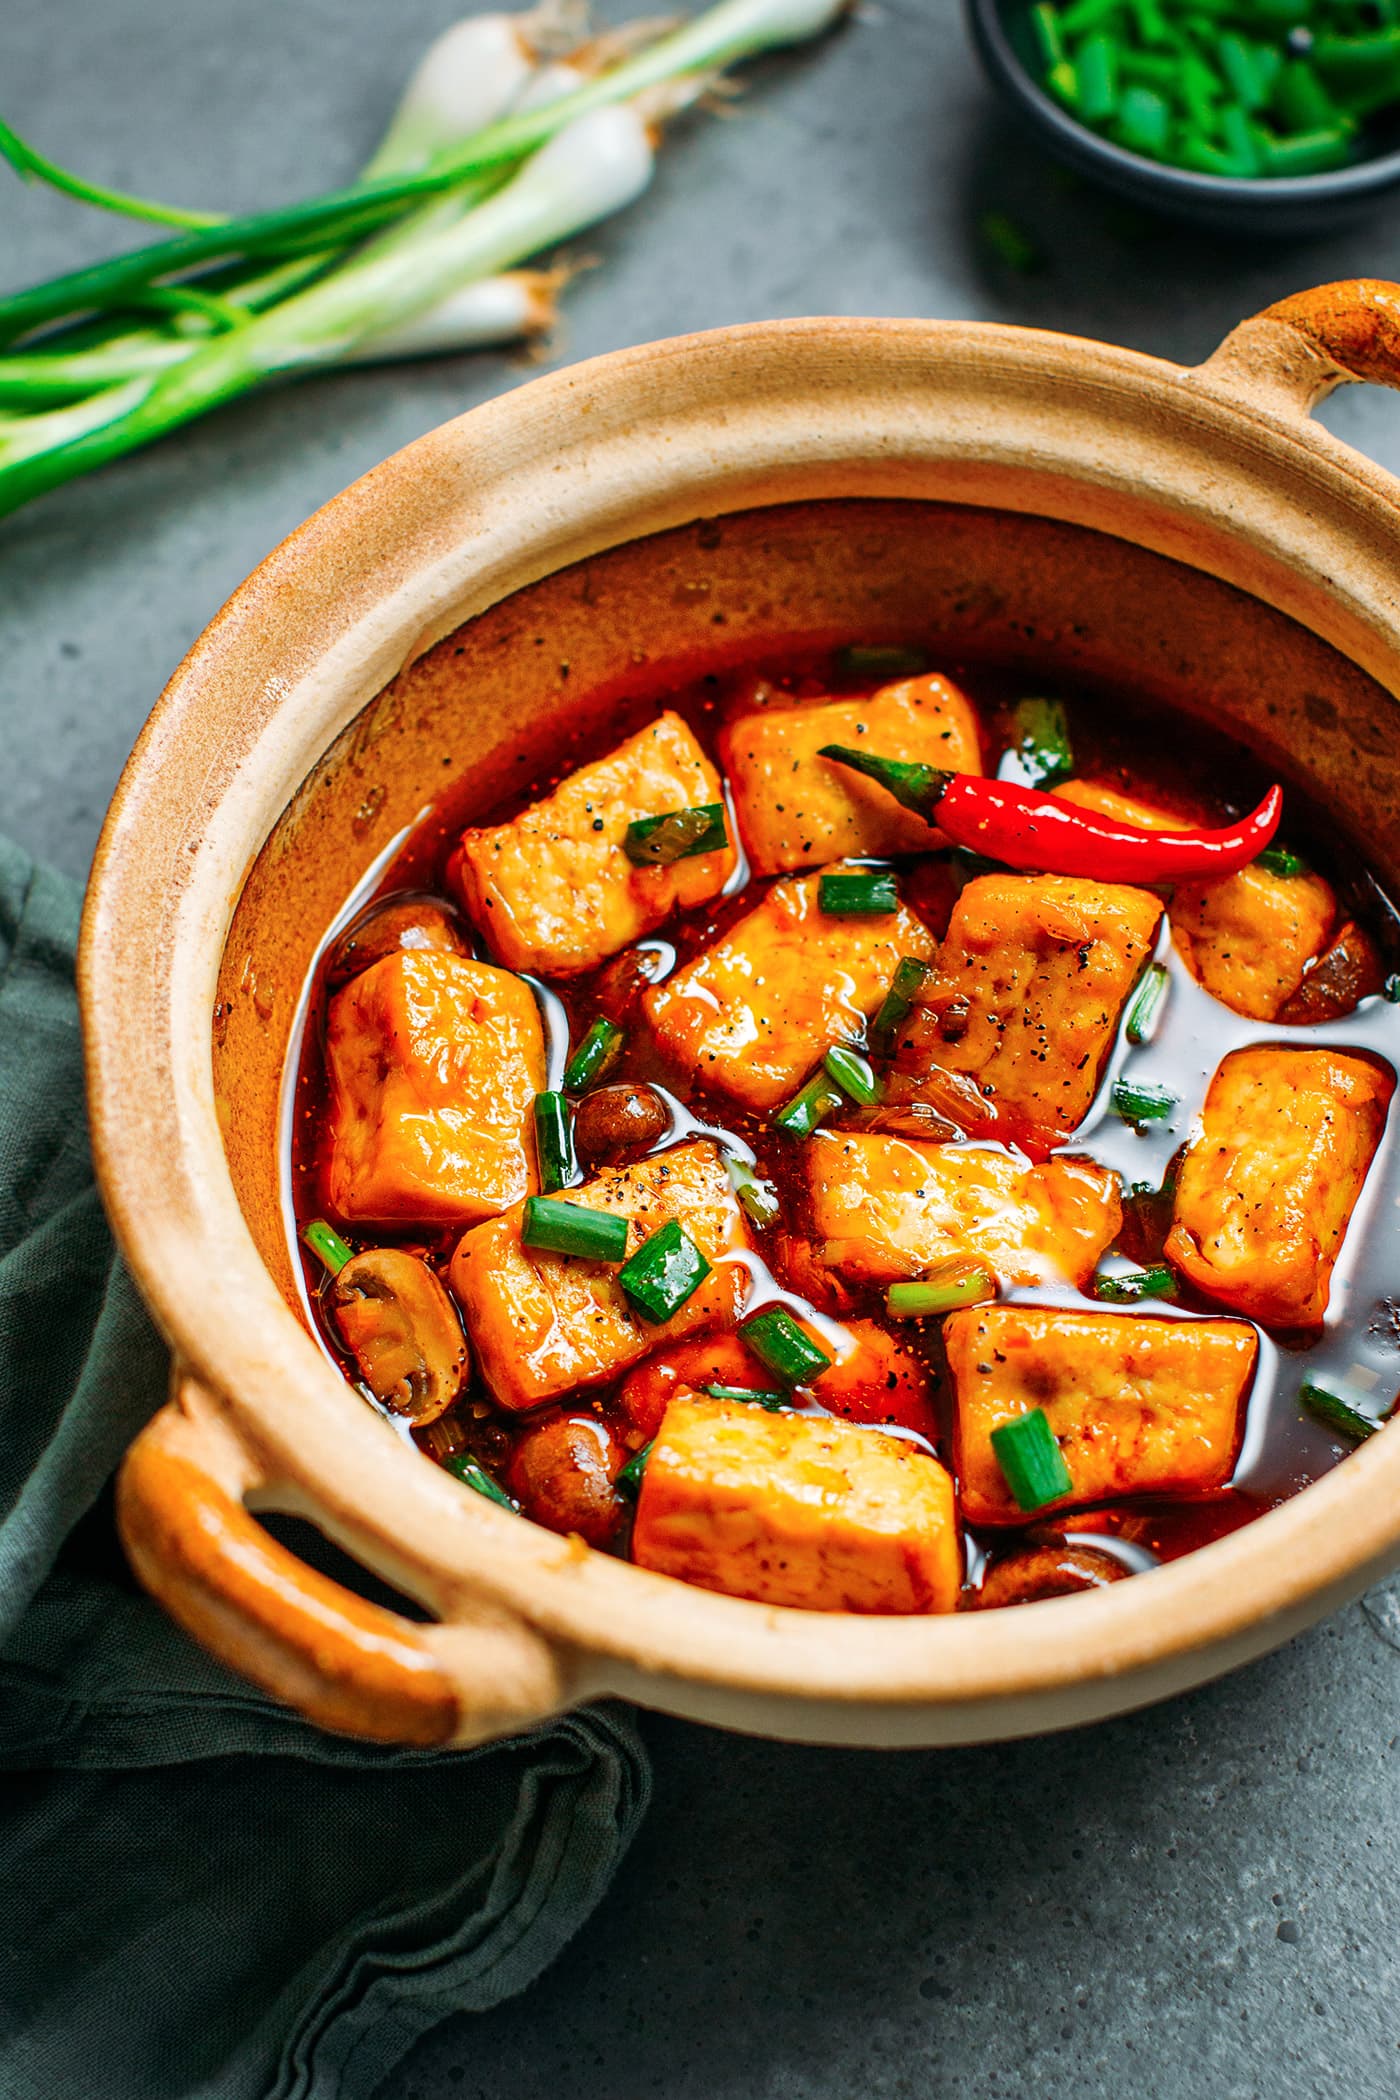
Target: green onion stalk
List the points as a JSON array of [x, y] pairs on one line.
[[522, 182]]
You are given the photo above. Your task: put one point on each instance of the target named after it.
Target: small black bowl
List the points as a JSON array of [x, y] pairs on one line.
[[1286, 204]]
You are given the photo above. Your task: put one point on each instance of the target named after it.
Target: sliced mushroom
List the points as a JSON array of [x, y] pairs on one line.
[[562, 1474], [615, 1125], [402, 1329], [1348, 970], [402, 922], [1047, 1571]]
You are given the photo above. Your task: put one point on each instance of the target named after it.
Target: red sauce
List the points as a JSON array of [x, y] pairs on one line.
[[1113, 745]]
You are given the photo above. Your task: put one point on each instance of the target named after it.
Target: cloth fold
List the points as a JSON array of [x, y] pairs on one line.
[[201, 1896]]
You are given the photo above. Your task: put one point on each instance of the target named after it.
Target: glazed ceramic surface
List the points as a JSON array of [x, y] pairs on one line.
[[1189, 535]]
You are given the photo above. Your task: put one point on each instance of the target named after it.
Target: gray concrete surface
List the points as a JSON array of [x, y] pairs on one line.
[[1198, 1903]]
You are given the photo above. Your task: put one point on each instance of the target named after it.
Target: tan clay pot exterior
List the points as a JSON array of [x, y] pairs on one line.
[[1189, 534]]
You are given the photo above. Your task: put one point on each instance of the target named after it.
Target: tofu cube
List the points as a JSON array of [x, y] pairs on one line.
[[1138, 1406], [553, 890], [754, 1014], [434, 1062], [1247, 937], [543, 1324], [796, 1509], [887, 1207], [796, 808], [1011, 1032], [1266, 1189]]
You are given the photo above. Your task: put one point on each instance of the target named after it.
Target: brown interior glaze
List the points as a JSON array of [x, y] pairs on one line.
[[1025, 592]]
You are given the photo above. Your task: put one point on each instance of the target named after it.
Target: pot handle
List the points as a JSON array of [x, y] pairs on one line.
[[1291, 356], [348, 1665]]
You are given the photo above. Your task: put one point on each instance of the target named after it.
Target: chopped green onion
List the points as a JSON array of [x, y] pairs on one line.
[[1031, 1461], [325, 1242], [777, 1341], [629, 1480], [1142, 1102], [802, 1114], [880, 660], [1008, 242], [1045, 27], [553, 1227], [758, 1197], [1391, 988], [1277, 860], [1144, 121], [664, 1272], [1334, 1414], [1237, 61], [949, 1287], [1307, 152], [1042, 742], [862, 894], [1096, 64], [1157, 1282], [853, 1075], [462, 1466], [595, 1055], [748, 1393], [1301, 101], [554, 1142], [1146, 1003], [895, 1007], [678, 834], [1240, 139]]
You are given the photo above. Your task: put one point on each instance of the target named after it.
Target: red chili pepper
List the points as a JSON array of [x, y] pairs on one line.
[[1024, 828]]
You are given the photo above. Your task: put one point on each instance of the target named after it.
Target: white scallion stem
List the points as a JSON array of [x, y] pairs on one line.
[[494, 310], [465, 79]]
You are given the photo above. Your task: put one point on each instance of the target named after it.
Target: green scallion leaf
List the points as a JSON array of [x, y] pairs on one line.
[[1031, 1461], [1146, 1004], [664, 1272], [554, 1142], [629, 1480], [1042, 742], [1096, 67], [465, 1468], [863, 893], [596, 1054], [1143, 123], [552, 1227], [777, 1341], [817, 1100], [1278, 860], [678, 834], [897, 1004], [1391, 988], [327, 1245], [853, 1075], [946, 1289], [758, 1198], [1157, 1282], [880, 660], [1334, 1413], [751, 1395], [1141, 1102]]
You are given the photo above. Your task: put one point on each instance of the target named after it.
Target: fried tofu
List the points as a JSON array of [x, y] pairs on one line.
[[797, 1509], [1010, 1033], [434, 1062], [1138, 1406], [1247, 937], [543, 1324], [888, 1207], [1266, 1190], [554, 891], [796, 808], [753, 1015]]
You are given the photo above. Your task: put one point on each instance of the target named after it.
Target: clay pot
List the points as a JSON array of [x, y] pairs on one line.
[[1189, 535]]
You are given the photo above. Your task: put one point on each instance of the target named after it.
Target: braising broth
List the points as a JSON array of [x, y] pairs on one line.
[[702, 1157]]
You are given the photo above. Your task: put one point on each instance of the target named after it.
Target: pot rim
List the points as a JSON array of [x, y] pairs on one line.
[[753, 415]]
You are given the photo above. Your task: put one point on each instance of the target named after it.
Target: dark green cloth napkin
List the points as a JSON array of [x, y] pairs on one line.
[[202, 1897]]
